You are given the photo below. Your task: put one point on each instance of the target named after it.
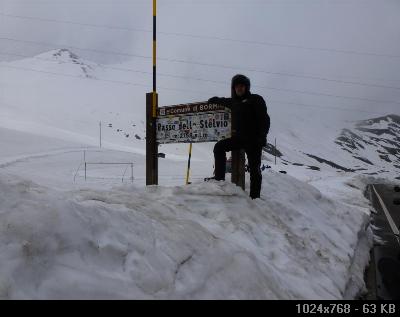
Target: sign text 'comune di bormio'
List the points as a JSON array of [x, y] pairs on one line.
[[193, 123]]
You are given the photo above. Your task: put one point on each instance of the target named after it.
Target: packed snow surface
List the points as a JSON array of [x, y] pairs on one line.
[[202, 241]]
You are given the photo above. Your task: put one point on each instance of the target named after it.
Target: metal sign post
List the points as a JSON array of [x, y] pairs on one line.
[[151, 114], [151, 143]]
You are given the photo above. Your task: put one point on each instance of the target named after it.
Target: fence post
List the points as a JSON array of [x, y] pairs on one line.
[[238, 168], [151, 142]]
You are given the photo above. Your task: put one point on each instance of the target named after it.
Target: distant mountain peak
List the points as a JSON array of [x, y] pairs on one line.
[[66, 53], [390, 118], [377, 138], [66, 56]]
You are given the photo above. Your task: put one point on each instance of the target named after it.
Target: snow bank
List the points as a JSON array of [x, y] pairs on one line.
[[203, 241]]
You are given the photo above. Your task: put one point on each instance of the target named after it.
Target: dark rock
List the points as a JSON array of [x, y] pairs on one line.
[[363, 159], [377, 131], [332, 164], [270, 149], [392, 151], [386, 158]]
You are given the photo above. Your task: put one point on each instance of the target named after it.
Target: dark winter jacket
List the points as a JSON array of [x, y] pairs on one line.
[[251, 121]]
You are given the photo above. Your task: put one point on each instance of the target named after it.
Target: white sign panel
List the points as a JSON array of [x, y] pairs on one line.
[[194, 127]]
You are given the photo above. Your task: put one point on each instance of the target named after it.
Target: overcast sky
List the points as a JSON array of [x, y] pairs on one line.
[[351, 40]]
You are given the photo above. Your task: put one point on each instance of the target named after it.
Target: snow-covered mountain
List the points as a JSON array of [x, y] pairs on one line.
[[59, 94], [375, 143], [369, 147], [66, 56]]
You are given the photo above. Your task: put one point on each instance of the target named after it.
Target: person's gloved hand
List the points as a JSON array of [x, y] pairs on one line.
[[214, 100]]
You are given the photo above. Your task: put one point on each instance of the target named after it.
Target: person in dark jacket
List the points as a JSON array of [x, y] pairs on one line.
[[250, 127]]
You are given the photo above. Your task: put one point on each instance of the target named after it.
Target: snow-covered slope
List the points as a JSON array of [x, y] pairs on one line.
[[60, 95], [368, 147], [71, 238], [375, 143], [208, 240], [15, 144], [204, 241], [57, 94]]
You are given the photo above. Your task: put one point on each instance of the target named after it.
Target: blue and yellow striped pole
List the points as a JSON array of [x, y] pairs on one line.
[[154, 58]]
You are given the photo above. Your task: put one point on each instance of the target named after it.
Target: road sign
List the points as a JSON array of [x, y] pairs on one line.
[[193, 123]]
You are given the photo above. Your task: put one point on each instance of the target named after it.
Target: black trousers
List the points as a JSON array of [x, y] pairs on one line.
[[253, 153]]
